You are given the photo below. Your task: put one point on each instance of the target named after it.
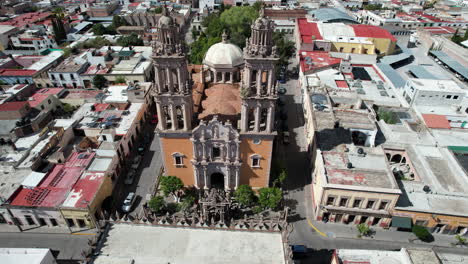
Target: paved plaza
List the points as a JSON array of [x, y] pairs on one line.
[[151, 244]]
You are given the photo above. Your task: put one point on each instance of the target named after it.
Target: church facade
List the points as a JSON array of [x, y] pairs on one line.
[[216, 120]]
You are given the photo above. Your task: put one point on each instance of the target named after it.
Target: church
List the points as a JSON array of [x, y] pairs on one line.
[[216, 120]]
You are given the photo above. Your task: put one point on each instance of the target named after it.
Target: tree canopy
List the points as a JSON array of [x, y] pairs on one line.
[[157, 204], [269, 197], [170, 185], [99, 29], [244, 195], [99, 81], [97, 42], [130, 40]]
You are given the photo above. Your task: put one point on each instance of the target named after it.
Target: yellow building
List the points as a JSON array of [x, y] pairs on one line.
[[344, 38], [82, 206]]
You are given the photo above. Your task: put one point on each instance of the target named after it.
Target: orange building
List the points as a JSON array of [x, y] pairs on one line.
[[216, 122]]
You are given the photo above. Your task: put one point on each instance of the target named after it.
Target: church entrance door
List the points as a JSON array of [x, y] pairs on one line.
[[217, 180]]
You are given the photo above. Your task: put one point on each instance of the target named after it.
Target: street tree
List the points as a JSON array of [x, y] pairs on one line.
[[269, 197], [99, 81], [460, 240], [120, 79], [244, 195], [157, 204], [422, 233], [170, 185], [363, 229]]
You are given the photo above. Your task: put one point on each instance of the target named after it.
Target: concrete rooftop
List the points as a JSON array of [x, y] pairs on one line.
[[151, 244]]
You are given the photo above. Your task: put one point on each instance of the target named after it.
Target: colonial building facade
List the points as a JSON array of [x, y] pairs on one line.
[[216, 122]]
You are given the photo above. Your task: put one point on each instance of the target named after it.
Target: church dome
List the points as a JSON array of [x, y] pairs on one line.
[[224, 55]]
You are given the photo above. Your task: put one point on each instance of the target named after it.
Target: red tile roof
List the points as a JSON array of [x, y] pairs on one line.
[[370, 31], [100, 107], [320, 59], [307, 30], [431, 18], [85, 189], [15, 72], [341, 84], [12, 106], [42, 95], [440, 30], [436, 121], [54, 188], [27, 19]]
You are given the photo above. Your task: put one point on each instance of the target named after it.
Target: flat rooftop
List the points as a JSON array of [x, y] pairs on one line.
[[369, 170], [436, 85], [152, 244], [24, 255]]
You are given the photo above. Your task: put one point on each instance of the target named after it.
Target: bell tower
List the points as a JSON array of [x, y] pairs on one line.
[[259, 93], [172, 87]]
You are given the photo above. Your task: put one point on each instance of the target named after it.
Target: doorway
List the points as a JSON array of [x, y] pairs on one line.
[[217, 180]]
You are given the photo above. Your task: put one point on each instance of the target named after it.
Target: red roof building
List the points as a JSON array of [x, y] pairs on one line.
[[312, 61], [370, 31], [27, 19], [85, 190], [41, 95], [53, 189], [16, 72], [308, 30], [436, 121], [12, 106]]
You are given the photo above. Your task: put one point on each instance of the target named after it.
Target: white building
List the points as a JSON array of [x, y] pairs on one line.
[[26, 256], [427, 92], [33, 40], [67, 74]]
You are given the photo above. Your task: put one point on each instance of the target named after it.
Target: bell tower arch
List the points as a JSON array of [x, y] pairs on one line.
[[172, 87]]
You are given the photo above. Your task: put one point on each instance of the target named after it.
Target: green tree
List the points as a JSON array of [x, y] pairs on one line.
[[171, 185], [99, 81], [130, 40], [67, 108], [58, 27], [67, 52], [388, 116], [97, 42], [120, 79], [363, 229], [422, 233], [460, 240], [285, 49], [269, 197], [157, 10], [99, 29], [281, 177], [244, 195], [157, 204]]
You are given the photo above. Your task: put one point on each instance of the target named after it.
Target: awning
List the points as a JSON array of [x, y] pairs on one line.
[[401, 222]]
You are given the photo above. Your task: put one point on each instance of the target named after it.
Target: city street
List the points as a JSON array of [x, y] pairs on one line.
[[298, 198], [63, 246], [146, 176]]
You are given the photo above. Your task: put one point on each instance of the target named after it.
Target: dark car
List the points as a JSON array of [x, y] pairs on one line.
[[298, 251], [282, 90]]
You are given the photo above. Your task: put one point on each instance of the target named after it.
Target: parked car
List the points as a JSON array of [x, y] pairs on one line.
[[282, 90], [128, 202], [298, 251], [141, 149], [130, 177], [136, 162], [286, 137]]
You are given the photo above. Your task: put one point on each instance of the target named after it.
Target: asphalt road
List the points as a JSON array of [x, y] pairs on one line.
[[64, 246]]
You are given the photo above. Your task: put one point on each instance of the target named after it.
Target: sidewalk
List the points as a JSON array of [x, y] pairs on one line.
[[5, 228], [333, 230]]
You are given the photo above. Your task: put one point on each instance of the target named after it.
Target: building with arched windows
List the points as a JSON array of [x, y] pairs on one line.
[[216, 120]]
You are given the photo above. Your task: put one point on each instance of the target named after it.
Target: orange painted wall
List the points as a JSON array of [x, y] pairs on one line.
[[255, 177], [182, 146]]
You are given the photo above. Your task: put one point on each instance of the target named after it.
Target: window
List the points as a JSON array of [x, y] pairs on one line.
[[341, 49], [42, 107], [49, 101], [53, 222], [42, 222], [448, 96], [17, 221], [61, 77], [455, 97], [330, 200], [255, 162], [70, 222], [421, 222], [343, 202], [104, 138], [216, 152], [81, 223], [29, 219], [370, 204], [178, 161], [357, 203], [383, 205]]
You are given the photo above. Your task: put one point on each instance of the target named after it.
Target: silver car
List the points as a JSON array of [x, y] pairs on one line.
[[128, 202]]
